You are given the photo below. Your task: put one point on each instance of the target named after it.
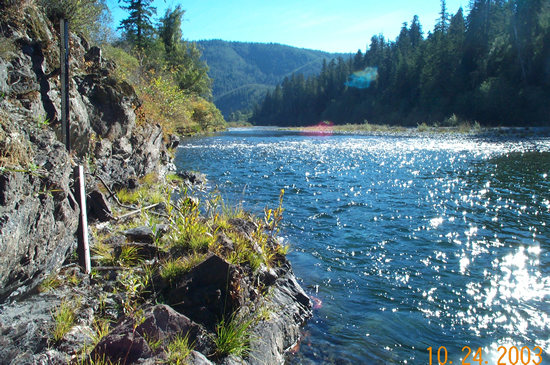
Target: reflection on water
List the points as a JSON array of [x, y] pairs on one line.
[[409, 243]]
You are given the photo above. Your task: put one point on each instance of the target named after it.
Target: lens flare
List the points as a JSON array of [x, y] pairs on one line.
[[362, 79], [322, 129]]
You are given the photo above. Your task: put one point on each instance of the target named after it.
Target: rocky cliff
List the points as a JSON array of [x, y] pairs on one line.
[[38, 215]]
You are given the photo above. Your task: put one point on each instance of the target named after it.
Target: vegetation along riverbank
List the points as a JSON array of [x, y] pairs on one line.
[[461, 128], [174, 279]]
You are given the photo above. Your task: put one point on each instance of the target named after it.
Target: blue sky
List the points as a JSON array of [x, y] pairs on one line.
[[328, 25]]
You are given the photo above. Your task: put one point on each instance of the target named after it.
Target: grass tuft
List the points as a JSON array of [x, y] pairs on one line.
[[105, 253], [128, 196], [64, 318], [233, 337], [154, 343], [129, 256], [179, 349], [175, 268], [101, 329], [51, 282]]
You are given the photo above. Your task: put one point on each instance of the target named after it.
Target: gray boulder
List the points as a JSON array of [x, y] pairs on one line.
[[128, 342]]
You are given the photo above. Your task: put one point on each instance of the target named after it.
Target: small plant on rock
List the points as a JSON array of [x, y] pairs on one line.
[[175, 268], [133, 287], [153, 342], [179, 349], [190, 232], [104, 253], [273, 217], [73, 279], [128, 196], [101, 328], [51, 282], [83, 359], [129, 256], [64, 318], [233, 337]]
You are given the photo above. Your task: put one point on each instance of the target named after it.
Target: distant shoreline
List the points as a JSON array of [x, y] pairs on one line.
[[466, 129]]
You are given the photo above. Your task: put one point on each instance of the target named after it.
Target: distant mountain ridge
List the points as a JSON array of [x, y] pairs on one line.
[[243, 72]]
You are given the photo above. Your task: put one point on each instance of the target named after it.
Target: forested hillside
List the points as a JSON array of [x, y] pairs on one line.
[[242, 72], [491, 66]]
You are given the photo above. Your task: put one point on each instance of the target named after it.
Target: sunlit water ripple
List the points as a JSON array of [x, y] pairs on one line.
[[409, 242]]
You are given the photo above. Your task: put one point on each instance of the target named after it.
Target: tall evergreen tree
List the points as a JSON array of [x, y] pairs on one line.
[[415, 32], [443, 21], [183, 58], [170, 30], [138, 28]]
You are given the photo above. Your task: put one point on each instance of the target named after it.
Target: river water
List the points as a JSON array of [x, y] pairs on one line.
[[405, 243]]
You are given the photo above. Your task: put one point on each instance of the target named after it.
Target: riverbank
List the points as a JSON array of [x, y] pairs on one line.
[[464, 128], [172, 282], [173, 279]]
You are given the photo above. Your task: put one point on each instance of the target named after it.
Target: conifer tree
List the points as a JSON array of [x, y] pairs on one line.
[[138, 28], [491, 67], [170, 30]]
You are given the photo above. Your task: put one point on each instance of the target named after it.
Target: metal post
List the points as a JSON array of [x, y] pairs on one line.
[[83, 244], [64, 61]]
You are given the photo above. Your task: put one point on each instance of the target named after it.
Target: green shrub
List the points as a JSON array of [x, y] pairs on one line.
[[83, 15], [166, 104], [452, 121], [127, 66], [423, 127], [206, 115]]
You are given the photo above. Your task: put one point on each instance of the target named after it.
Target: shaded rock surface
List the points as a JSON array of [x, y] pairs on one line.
[[209, 292], [161, 324], [38, 218], [98, 206]]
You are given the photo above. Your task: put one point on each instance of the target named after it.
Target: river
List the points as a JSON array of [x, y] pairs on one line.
[[405, 243]]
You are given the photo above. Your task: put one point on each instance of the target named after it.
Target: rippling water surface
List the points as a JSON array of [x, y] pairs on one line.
[[408, 242]]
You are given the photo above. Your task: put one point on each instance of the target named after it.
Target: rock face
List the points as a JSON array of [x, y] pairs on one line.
[[290, 308], [25, 326], [38, 217]]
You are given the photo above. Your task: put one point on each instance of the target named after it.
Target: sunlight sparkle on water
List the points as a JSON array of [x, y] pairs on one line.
[[416, 240]]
